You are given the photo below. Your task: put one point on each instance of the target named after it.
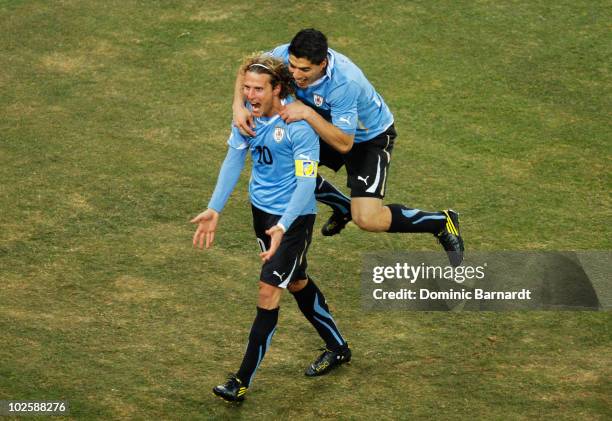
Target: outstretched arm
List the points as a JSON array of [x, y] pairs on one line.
[[228, 177]]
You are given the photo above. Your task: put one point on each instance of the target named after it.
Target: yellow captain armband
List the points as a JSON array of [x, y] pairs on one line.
[[306, 168]]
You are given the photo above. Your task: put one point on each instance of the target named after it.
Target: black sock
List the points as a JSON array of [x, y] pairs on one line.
[[331, 196], [405, 219], [312, 303], [259, 340]]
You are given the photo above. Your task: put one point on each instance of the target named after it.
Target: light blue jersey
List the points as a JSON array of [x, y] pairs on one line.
[[281, 153], [344, 97]]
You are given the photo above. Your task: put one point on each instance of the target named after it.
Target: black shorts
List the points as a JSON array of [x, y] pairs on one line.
[[289, 262], [367, 164], [330, 157]]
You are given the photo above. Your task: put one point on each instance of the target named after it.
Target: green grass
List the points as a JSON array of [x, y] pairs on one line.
[[114, 117]]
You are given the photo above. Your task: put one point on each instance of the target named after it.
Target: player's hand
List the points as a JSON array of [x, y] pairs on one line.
[[243, 120], [276, 235], [207, 225], [295, 111]]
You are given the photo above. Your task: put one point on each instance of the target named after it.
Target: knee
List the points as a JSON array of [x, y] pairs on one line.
[[370, 215], [360, 220], [297, 286], [365, 222]]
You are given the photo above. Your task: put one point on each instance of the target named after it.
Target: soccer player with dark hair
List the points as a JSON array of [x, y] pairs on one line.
[[357, 129], [285, 156]]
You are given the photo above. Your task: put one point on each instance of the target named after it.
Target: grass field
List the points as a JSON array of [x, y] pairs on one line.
[[113, 121]]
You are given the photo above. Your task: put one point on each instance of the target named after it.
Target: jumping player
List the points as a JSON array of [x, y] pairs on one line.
[[357, 130]]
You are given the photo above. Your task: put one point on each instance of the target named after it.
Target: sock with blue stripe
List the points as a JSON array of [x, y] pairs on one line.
[[259, 341], [327, 193], [312, 303], [405, 219]]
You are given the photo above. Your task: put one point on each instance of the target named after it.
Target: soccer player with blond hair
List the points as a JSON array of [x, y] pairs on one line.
[[285, 158]]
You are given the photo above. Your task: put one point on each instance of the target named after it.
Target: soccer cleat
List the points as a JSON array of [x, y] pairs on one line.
[[232, 390], [336, 223], [450, 238], [327, 361]]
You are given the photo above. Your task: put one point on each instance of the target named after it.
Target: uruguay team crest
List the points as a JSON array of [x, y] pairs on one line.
[[279, 132], [318, 100]]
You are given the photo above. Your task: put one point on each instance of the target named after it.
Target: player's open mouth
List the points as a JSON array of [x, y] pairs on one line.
[[256, 107]]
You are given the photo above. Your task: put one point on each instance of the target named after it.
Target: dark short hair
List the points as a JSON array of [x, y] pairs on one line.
[[311, 44]]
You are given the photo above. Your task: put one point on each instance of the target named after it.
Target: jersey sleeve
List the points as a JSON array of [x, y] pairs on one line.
[[281, 52], [305, 142], [228, 177], [343, 106], [303, 193], [237, 140]]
